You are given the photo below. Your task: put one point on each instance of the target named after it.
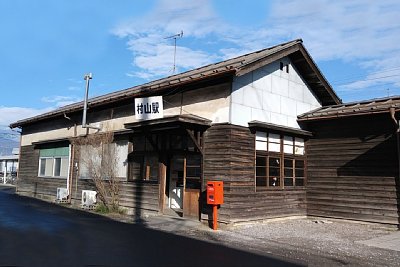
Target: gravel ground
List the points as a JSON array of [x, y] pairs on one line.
[[310, 242]]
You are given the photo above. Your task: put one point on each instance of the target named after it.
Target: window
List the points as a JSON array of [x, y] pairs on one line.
[[113, 157], [54, 162], [279, 161]]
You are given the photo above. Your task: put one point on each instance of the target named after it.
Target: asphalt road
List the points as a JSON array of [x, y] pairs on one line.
[[37, 233]]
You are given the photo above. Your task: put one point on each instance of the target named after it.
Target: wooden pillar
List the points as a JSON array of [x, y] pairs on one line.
[[162, 174]]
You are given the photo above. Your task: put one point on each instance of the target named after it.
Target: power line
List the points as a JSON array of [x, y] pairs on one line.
[[370, 79], [357, 76]]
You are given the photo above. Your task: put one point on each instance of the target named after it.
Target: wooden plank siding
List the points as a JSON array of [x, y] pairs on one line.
[[28, 181], [133, 195], [230, 156], [353, 169]]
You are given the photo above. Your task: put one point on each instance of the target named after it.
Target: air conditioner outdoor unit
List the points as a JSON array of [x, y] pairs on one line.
[[88, 197], [62, 193]]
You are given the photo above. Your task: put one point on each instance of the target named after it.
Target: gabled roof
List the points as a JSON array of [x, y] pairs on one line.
[[235, 67], [373, 106]]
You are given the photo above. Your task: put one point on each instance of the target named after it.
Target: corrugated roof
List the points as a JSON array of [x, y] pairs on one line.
[[234, 66], [378, 105]]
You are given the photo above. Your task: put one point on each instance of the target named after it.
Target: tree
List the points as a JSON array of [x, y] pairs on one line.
[[98, 160]]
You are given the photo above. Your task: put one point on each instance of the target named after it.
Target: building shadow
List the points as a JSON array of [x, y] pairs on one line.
[[49, 235]]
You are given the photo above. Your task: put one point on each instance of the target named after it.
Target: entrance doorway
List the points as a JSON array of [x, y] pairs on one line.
[[176, 180], [176, 142], [184, 184]]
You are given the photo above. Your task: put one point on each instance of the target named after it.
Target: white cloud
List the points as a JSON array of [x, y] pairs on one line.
[[365, 33], [153, 54], [61, 100], [74, 88], [9, 115]]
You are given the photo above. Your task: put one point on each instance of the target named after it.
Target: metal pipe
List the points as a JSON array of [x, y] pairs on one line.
[[87, 78]]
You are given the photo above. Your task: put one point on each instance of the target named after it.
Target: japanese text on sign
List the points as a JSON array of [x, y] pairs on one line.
[[148, 108]]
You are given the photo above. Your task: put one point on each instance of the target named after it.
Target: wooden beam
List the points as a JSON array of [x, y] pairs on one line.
[[194, 141]]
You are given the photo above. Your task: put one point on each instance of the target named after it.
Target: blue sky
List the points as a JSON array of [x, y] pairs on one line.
[[47, 46]]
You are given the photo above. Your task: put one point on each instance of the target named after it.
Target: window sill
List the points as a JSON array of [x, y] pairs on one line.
[[52, 177], [142, 182], [291, 188]]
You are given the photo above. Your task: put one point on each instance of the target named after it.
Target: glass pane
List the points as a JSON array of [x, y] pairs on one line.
[[288, 149], [193, 172], [274, 147], [57, 166], [261, 181], [42, 167], [274, 181], [193, 160], [288, 163], [288, 172], [49, 167], [299, 163], [274, 138], [299, 150], [261, 136], [273, 171], [120, 158], [261, 161], [288, 181], [274, 162], [261, 171], [299, 182], [288, 140], [64, 167], [260, 145], [192, 183], [299, 172], [299, 142]]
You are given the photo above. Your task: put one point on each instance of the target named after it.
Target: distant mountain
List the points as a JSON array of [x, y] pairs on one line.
[[8, 141]]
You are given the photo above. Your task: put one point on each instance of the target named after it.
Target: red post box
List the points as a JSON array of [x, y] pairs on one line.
[[215, 192], [215, 197]]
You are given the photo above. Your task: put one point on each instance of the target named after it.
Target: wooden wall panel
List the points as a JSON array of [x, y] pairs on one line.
[[28, 181], [353, 169], [132, 194], [230, 157]]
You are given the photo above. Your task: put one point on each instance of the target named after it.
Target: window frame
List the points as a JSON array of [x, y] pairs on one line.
[[53, 168], [293, 156]]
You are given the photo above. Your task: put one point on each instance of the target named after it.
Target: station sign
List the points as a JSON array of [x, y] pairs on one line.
[[149, 108]]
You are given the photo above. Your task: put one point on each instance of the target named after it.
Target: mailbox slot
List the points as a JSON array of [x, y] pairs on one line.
[[215, 193]]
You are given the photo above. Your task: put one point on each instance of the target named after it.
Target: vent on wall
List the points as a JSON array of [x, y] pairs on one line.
[[283, 65]]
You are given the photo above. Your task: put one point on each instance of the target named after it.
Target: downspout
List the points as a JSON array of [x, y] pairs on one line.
[[71, 162]]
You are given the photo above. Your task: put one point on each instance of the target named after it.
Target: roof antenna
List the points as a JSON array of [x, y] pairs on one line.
[[176, 36]]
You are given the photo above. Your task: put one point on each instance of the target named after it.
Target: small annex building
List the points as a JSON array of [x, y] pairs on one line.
[[234, 121], [353, 161]]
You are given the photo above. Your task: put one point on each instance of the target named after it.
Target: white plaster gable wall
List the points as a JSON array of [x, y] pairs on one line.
[[271, 95]]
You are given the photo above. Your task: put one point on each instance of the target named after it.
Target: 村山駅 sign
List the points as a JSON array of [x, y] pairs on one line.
[[148, 108]]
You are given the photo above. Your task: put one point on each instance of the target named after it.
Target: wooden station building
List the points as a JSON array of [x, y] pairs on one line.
[[234, 121]]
